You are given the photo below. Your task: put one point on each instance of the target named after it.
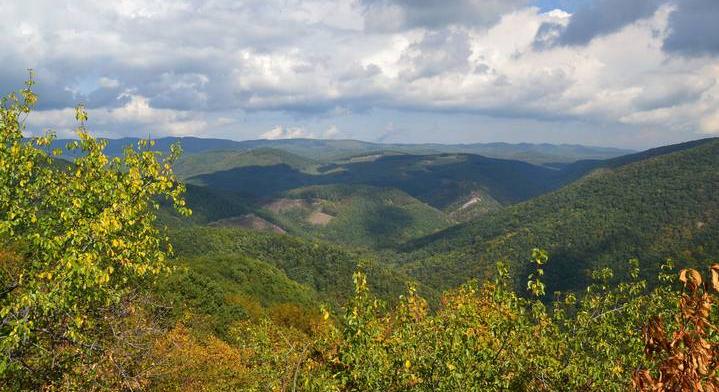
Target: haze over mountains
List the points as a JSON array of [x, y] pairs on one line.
[[330, 150]]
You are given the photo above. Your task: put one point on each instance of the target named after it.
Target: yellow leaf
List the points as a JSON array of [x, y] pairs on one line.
[[715, 277], [691, 277]]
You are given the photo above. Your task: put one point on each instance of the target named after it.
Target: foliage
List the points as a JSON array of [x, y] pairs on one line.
[[78, 240], [228, 288], [483, 337], [486, 337], [258, 356], [687, 357]]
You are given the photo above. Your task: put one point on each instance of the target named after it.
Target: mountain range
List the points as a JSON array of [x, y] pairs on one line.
[[332, 150], [437, 214], [444, 218]]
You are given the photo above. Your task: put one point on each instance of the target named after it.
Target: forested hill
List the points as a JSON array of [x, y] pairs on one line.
[[579, 168], [322, 268], [664, 206]]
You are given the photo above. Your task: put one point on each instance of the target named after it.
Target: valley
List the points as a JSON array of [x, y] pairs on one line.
[[446, 218]]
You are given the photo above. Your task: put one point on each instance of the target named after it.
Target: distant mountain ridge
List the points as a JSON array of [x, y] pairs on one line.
[[334, 149]]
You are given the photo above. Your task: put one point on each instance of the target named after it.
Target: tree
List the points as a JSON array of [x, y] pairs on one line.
[[77, 241]]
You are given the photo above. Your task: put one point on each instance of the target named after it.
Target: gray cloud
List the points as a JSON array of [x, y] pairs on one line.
[[439, 52], [694, 28], [383, 15], [596, 19], [187, 55]]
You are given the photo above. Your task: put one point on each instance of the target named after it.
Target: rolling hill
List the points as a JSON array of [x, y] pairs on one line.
[[356, 215], [374, 200], [654, 205]]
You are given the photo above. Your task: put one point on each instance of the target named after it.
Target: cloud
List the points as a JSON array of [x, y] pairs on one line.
[[281, 132], [393, 15], [346, 68], [438, 52], [600, 18], [108, 83], [331, 133], [136, 115], [694, 28]]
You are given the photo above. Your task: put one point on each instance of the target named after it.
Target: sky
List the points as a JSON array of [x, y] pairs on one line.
[[622, 73]]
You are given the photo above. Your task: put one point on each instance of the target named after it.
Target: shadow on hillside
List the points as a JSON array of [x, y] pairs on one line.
[[387, 221], [437, 180], [257, 181]]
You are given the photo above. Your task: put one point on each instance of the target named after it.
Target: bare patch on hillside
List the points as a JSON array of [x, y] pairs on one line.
[[249, 221], [319, 218], [474, 206], [474, 200], [281, 205], [365, 158]]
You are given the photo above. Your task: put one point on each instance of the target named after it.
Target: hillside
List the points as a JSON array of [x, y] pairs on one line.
[[538, 154], [332, 150], [666, 205], [320, 267], [229, 287], [190, 165], [579, 168], [355, 215], [208, 205], [375, 200]]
